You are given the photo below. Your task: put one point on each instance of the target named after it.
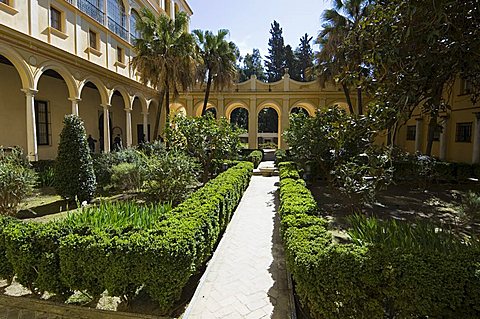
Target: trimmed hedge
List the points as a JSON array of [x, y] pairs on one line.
[[255, 157], [372, 280], [56, 258]]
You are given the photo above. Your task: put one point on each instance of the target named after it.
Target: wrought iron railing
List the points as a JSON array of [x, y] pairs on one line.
[[91, 9], [117, 28]]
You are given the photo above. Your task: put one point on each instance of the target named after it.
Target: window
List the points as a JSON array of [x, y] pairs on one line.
[[117, 18], [93, 39], [55, 19], [411, 132], [7, 2], [42, 123], [120, 55], [467, 87], [134, 33], [464, 132], [92, 8]]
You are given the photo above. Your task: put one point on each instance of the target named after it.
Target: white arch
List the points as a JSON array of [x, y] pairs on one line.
[[123, 92], [304, 105], [20, 65], [102, 89], [199, 106], [233, 106], [270, 104], [60, 69], [143, 101]]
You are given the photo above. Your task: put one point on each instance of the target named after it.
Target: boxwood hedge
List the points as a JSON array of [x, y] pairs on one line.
[[63, 258], [371, 280]]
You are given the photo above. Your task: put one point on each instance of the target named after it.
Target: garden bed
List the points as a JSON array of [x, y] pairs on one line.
[[79, 255]]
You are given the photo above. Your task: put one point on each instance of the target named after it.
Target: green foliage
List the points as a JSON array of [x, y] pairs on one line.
[[45, 170], [17, 180], [103, 163], [252, 65], [342, 148], [255, 157], [127, 176], [170, 177], [117, 215], [206, 139], [470, 207], [74, 174], [123, 247], [275, 60], [280, 156], [288, 170], [391, 270]]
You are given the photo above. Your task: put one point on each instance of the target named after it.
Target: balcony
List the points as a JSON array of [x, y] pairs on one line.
[[90, 9], [117, 29]]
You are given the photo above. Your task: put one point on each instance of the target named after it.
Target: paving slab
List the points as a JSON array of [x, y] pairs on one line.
[[247, 277]]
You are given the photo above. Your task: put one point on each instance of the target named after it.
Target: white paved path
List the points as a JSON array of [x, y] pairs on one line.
[[246, 278]]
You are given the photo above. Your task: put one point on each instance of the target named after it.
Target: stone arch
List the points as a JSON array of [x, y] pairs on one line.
[[20, 65], [64, 73], [177, 108], [235, 105], [306, 106], [99, 85], [274, 105], [143, 101], [123, 92], [198, 108]]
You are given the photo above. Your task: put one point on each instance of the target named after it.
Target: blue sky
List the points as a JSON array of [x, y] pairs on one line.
[[249, 20]]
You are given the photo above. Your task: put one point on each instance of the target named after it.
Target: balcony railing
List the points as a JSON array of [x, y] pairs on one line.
[[91, 10], [117, 29]]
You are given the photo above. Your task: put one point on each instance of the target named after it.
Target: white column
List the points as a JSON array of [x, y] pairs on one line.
[[145, 127], [128, 125], [253, 84], [75, 105], [32, 149], [284, 123], [253, 124], [418, 135], [443, 138], [172, 9], [106, 128], [476, 140]]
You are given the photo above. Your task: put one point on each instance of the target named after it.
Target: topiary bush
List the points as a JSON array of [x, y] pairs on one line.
[[74, 174], [255, 157], [17, 181]]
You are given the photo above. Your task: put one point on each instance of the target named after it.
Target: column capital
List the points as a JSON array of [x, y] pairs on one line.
[[74, 99], [29, 92], [105, 106], [127, 110], [145, 113]]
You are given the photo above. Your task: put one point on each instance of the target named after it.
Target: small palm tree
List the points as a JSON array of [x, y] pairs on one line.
[[217, 60], [333, 63], [164, 56]]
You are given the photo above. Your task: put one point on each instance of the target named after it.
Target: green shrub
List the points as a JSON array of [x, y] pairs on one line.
[[280, 156], [74, 174], [45, 170], [170, 177], [390, 270], [470, 207], [255, 157], [127, 176], [17, 181], [288, 170]]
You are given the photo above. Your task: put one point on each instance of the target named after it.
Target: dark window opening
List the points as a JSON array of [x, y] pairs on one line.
[[42, 122], [464, 132]]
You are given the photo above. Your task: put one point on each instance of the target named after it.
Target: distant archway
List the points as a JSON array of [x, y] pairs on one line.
[[268, 127]]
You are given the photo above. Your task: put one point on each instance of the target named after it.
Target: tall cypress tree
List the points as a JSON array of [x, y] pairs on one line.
[[291, 63], [275, 61], [304, 54], [252, 64]]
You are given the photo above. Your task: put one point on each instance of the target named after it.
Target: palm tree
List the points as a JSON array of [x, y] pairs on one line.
[[332, 62], [164, 56], [218, 60]]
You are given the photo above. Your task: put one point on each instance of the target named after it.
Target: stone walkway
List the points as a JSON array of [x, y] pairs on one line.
[[246, 278]]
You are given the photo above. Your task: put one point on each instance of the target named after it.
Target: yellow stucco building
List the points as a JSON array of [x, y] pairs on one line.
[[72, 56]]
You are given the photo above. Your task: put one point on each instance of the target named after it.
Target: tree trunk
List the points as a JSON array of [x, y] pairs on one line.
[[360, 101], [159, 113], [346, 91], [207, 93], [167, 102], [432, 125]]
